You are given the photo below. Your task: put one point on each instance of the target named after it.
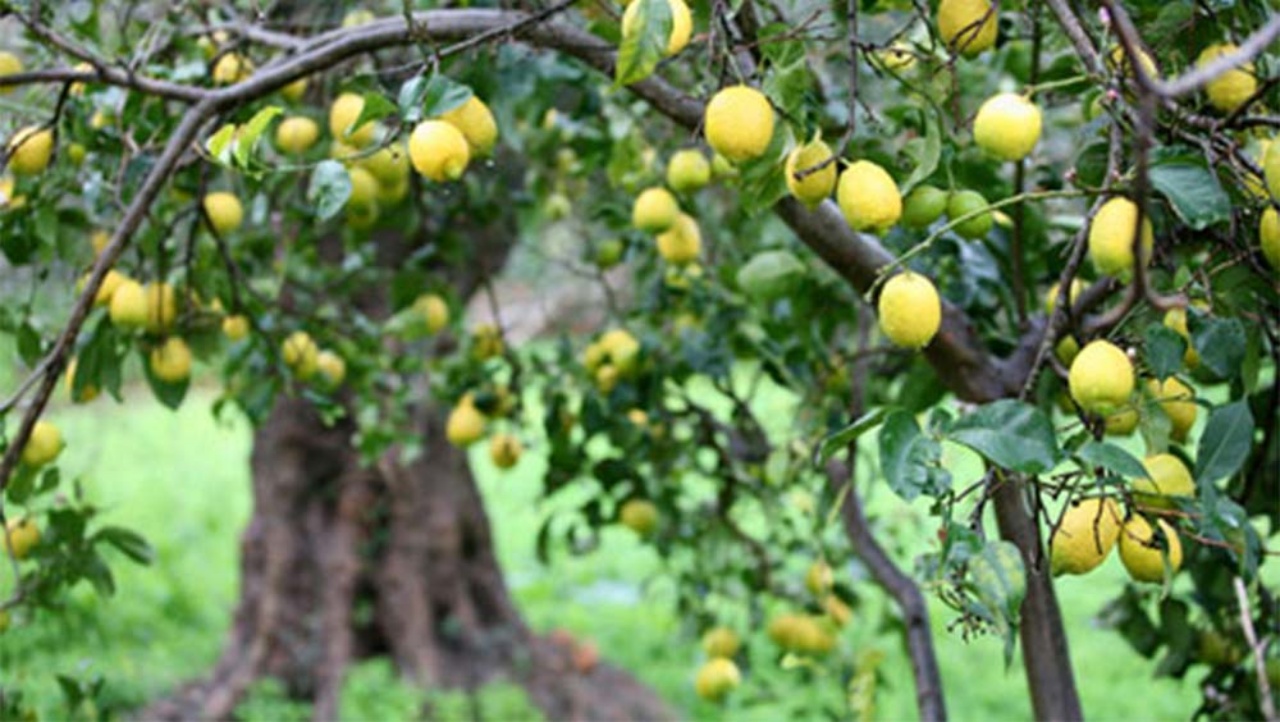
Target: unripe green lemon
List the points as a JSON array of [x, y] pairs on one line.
[[1269, 237], [1143, 554], [819, 578], [390, 165], [128, 307], [224, 212], [465, 425], [477, 124], [909, 309], [10, 64], [922, 206], [681, 243], [171, 360], [720, 642], [1007, 126], [235, 327], [1086, 534], [295, 135], [1178, 402], [640, 516], [1121, 423], [30, 150], [1167, 477], [681, 24], [655, 210], [439, 151], [608, 253], [967, 26], [1101, 378], [688, 170], [1231, 89], [332, 368], [868, 197], [817, 186], [343, 114], [962, 203], [505, 450], [718, 677], [770, 274], [1111, 238], [1067, 349], [43, 446], [739, 123]]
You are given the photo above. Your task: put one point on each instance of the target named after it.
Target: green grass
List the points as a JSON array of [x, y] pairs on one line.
[[182, 480]]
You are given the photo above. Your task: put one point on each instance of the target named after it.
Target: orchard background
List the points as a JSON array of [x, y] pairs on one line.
[[744, 360]]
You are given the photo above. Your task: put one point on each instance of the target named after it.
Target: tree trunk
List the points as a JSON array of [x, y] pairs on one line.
[[340, 563]]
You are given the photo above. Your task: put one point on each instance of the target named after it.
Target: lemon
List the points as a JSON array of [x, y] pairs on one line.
[[88, 392], [899, 56], [171, 360], [817, 186], [10, 64], [681, 24], [721, 642], [1178, 402], [639, 516], [1121, 423], [465, 425], [294, 91], [868, 197], [801, 633], [1176, 319], [486, 341], [688, 171], [76, 153], [1101, 378], [364, 187], [738, 123], [909, 310], [961, 204], [477, 124], [235, 327], [682, 243], [162, 306], [30, 150], [609, 252], [1231, 89], [719, 676], [1087, 533], [967, 26], [1118, 61], [21, 536], [110, 283], [606, 378], [1143, 555], [1269, 237], [99, 240], [296, 134], [655, 210], [1073, 295], [922, 206], [1167, 477], [390, 165], [224, 212], [621, 349], [299, 353], [43, 446], [231, 68], [439, 151], [1007, 126], [1271, 168], [505, 450], [332, 368], [343, 114], [128, 307], [818, 579], [1111, 238], [434, 311], [1067, 349]]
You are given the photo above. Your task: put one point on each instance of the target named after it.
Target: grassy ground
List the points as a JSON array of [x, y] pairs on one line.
[[181, 479]]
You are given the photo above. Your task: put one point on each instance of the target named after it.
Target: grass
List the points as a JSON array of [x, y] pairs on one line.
[[182, 480]]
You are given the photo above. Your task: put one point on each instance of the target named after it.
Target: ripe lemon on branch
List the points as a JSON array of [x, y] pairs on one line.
[[655, 210], [474, 119], [43, 446], [681, 24], [967, 26], [439, 151], [739, 123], [910, 310], [1167, 478], [1086, 534], [815, 187], [1007, 126], [1101, 378], [682, 243], [1232, 89], [30, 150], [1143, 554], [868, 197], [1111, 238]]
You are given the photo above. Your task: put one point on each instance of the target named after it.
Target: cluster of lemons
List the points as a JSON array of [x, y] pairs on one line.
[[467, 424]]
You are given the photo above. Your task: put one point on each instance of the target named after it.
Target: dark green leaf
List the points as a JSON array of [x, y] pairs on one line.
[[443, 95], [1010, 434], [909, 459], [1220, 343], [644, 41], [842, 438], [998, 578], [1225, 443], [1111, 458], [412, 93], [329, 190], [376, 107], [1164, 349], [1193, 191], [927, 163], [167, 393], [128, 542]]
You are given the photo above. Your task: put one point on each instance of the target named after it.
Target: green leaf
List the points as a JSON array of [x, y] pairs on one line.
[[219, 144], [644, 41], [1010, 434], [927, 163], [1000, 581], [1225, 443], [842, 438], [910, 460], [1220, 343], [376, 107], [410, 97], [770, 274], [1110, 457], [443, 95], [760, 183], [1164, 349], [1193, 191], [329, 190], [128, 542], [251, 131]]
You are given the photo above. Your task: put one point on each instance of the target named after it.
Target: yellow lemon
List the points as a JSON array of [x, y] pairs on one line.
[[294, 91], [235, 327], [343, 114], [819, 578], [224, 212], [43, 446], [10, 64], [465, 425], [1101, 378], [1176, 319], [1007, 126], [1087, 533], [1271, 168], [719, 676], [110, 283], [99, 240], [300, 353], [721, 642], [868, 197], [681, 24], [231, 68], [474, 119], [655, 210], [1269, 237], [1111, 237], [818, 185], [910, 311], [899, 57], [439, 151], [682, 243], [162, 306], [639, 516], [390, 165], [1119, 62], [688, 170], [1178, 402], [967, 26], [128, 306], [621, 349], [505, 450], [486, 342], [332, 368], [434, 311], [296, 134], [364, 187], [1143, 554], [1073, 294], [1167, 477], [171, 360], [739, 123], [21, 536], [1231, 89], [30, 150]]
